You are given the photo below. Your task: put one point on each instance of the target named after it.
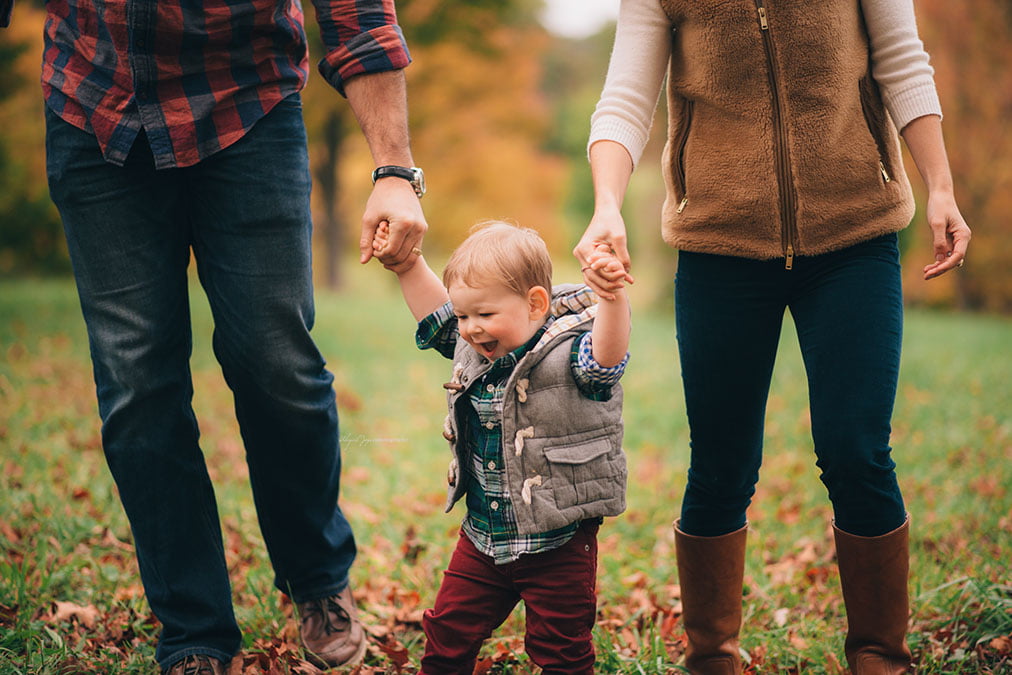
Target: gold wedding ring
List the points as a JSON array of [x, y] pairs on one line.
[[417, 251]]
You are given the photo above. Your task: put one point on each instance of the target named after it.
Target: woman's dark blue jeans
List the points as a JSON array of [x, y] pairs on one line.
[[244, 212], [848, 309]]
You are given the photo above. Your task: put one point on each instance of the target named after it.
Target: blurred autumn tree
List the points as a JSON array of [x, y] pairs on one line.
[[499, 117], [970, 44], [478, 123], [31, 236]]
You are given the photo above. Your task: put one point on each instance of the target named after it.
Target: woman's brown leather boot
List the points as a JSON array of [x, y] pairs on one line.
[[710, 573], [873, 574]]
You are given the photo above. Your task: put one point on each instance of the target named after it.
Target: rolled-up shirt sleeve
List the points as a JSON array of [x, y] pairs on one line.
[[438, 331], [592, 379], [360, 36]]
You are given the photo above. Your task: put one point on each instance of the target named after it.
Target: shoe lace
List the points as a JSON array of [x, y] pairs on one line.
[[329, 609], [197, 665]]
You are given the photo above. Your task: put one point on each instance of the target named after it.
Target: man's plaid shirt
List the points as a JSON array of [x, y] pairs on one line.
[[196, 75], [490, 523]]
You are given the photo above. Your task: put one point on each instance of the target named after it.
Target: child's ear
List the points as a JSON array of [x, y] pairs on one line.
[[538, 301]]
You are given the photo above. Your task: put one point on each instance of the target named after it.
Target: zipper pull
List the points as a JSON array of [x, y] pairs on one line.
[[885, 174], [763, 23], [682, 205], [790, 257]]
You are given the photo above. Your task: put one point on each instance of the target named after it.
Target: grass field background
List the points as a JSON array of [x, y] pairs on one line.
[[71, 600]]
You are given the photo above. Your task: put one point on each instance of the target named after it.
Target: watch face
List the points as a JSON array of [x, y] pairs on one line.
[[418, 182]]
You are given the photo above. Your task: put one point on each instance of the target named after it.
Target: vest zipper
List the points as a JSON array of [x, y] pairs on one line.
[[680, 142], [781, 149], [885, 174]]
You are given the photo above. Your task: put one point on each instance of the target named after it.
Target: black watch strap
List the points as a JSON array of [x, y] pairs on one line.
[[412, 174]]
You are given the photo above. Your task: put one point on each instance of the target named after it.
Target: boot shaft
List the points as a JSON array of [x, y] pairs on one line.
[[710, 573], [873, 576]]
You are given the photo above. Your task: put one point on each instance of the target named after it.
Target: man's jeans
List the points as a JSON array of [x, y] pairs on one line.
[[848, 310], [245, 214]]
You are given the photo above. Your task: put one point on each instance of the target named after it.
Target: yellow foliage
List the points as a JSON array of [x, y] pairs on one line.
[[969, 43], [22, 118], [478, 121]]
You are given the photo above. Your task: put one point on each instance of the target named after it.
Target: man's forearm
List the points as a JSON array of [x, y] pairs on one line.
[[379, 101]]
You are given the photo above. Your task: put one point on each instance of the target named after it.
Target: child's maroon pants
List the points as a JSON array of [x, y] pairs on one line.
[[476, 596]]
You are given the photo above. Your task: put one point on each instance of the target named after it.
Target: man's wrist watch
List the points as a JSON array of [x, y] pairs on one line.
[[413, 175]]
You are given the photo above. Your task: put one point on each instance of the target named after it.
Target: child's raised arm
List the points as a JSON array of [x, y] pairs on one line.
[[610, 335], [423, 291]]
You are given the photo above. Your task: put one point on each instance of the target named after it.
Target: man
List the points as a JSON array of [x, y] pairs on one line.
[[175, 125]]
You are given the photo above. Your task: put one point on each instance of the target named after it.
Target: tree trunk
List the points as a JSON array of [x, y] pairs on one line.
[[327, 179]]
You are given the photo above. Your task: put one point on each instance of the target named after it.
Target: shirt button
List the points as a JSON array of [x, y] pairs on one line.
[[491, 465], [490, 425], [490, 388], [495, 506]]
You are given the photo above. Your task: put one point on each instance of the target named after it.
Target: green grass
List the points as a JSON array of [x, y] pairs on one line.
[[64, 538]]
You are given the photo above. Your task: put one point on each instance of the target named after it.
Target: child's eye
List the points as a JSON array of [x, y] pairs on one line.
[[485, 315]]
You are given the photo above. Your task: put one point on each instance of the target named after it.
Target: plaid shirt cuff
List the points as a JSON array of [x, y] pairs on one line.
[[438, 331], [375, 51], [594, 380]]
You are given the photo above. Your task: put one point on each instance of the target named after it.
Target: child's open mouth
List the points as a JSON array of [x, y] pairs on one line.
[[486, 349]]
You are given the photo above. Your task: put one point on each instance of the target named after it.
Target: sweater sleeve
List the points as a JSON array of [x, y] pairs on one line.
[[899, 63], [636, 70]]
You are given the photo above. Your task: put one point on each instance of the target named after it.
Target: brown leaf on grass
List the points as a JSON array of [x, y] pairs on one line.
[[1002, 645], [483, 666], [396, 652], [785, 571], [833, 666], [69, 611], [988, 486], [9, 533], [412, 546], [7, 615], [348, 401], [506, 650], [110, 540]]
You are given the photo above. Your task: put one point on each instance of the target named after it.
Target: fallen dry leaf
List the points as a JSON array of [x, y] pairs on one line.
[[68, 611]]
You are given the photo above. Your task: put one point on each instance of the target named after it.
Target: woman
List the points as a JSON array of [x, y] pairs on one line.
[[785, 190]]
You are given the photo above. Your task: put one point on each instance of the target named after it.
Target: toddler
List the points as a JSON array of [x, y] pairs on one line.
[[535, 428]]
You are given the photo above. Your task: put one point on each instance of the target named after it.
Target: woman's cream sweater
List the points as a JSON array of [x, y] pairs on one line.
[[643, 46], [779, 144]]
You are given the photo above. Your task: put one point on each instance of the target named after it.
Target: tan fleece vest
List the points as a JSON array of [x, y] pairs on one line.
[[779, 144]]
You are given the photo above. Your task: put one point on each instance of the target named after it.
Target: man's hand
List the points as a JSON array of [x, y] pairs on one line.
[[394, 204]]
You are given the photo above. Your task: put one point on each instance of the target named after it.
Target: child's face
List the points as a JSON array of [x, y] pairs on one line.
[[494, 319]]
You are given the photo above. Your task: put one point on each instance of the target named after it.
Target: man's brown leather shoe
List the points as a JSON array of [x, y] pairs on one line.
[[197, 664], [331, 631]]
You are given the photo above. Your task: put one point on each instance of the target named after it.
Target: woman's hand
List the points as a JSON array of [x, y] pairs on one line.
[[948, 229], [950, 232], [604, 240]]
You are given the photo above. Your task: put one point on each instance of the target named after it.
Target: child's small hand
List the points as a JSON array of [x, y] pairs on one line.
[[606, 266], [380, 240]]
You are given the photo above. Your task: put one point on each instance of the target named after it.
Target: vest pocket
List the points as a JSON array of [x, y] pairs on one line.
[[877, 123], [584, 473], [678, 158]]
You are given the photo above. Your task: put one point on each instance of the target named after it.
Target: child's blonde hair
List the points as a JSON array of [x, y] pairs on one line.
[[501, 252]]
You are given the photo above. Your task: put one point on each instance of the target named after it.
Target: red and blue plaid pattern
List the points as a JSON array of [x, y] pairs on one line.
[[196, 75]]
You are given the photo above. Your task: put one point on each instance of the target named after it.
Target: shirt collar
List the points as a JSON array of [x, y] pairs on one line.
[[507, 362]]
